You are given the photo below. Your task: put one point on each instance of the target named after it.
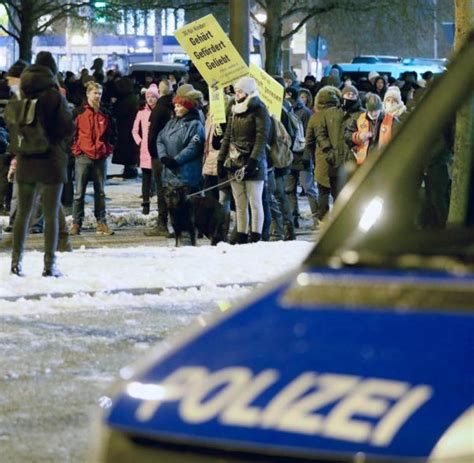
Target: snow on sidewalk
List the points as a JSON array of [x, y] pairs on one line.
[[108, 269]]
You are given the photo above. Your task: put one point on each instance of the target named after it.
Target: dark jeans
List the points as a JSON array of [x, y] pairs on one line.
[[6, 188], [323, 193], [27, 193], [306, 180], [160, 192], [68, 191], [97, 170], [146, 185]]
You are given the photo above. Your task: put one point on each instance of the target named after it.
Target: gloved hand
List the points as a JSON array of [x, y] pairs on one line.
[[251, 167], [169, 162], [221, 170]]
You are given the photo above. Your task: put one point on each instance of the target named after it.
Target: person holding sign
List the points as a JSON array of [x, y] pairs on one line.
[[243, 151]]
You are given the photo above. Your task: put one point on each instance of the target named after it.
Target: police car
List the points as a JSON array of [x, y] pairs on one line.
[[364, 354]]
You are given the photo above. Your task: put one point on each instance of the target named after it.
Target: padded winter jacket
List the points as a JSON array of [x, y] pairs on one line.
[[182, 139], [94, 133]]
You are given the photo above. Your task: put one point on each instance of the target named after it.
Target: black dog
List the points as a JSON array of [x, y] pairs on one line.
[[202, 213]]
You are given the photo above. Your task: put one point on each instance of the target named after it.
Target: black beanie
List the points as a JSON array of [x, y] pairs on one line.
[[293, 92], [45, 58], [17, 68]]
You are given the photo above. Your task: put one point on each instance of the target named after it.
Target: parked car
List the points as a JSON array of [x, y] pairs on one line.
[[371, 59], [361, 66], [363, 354], [156, 69]]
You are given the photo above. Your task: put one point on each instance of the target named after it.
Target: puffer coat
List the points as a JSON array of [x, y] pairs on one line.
[[249, 131], [183, 139]]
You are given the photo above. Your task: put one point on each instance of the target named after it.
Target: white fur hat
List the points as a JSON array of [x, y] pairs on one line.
[[372, 76], [393, 92], [246, 84]]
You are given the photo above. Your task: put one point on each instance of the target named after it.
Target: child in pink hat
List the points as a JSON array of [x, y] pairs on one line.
[[140, 135]]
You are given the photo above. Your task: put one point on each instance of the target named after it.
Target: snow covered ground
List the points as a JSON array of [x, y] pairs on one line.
[[65, 340], [106, 269]]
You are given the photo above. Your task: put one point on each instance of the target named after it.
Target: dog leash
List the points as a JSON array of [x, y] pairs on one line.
[[239, 176]]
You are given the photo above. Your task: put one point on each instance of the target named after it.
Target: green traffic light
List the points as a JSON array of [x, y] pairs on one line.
[[100, 4]]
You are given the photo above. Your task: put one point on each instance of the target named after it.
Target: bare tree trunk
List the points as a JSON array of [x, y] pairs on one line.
[[25, 45], [158, 37], [463, 145], [272, 34]]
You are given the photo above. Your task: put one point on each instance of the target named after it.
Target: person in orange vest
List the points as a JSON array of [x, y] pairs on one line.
[[372, 130]]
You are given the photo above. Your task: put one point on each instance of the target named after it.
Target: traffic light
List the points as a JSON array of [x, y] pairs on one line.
[[99, 8]]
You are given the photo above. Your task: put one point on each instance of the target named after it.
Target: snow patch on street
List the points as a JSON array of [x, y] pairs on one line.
[[106, 269]]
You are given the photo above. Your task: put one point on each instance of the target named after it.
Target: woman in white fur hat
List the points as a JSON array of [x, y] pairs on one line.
[[393, 103], [244, 146]]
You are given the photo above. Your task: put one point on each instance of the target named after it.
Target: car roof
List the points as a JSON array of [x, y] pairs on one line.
[[158, 66]]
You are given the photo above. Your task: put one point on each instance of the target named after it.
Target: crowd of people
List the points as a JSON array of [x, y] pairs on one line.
[[164, 128]]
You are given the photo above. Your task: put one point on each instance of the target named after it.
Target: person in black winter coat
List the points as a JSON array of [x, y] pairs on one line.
[[244, 146], [302, 166], [46, 171], [160, 115], [124, 112]]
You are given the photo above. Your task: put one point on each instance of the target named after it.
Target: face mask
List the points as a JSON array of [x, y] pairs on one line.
[[390, 105], [348, 104], [373, 118], [14, 88]]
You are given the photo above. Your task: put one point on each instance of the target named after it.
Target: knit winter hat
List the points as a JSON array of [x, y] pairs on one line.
[[164, 87], [348, 89], [17, 68], [247, 85], [152, 90], [45, 58], [293, 92], [372, 76], [393, 92], [373, 102], [188, 96]]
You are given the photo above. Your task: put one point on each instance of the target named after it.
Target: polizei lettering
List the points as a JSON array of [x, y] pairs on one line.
[[344, 407]]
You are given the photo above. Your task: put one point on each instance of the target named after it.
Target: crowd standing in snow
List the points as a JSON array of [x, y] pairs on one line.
[[163, 127]]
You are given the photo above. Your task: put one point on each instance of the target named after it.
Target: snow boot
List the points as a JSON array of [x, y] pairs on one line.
[[50, 269], [145, 208], [16, 268], [255, 237], [242, 238]]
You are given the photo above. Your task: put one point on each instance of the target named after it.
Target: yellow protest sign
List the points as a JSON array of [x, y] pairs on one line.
[[217, 105], [270, 91], [211, 50]]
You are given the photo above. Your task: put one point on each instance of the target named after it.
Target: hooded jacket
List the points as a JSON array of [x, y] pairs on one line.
[[51, 167], [324, 135]]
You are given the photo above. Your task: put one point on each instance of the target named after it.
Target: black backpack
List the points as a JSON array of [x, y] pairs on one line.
[[27, 133]]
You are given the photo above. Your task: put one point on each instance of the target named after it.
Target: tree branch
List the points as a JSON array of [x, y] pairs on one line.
[[260, 23], [11, 34], [11, 20]]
